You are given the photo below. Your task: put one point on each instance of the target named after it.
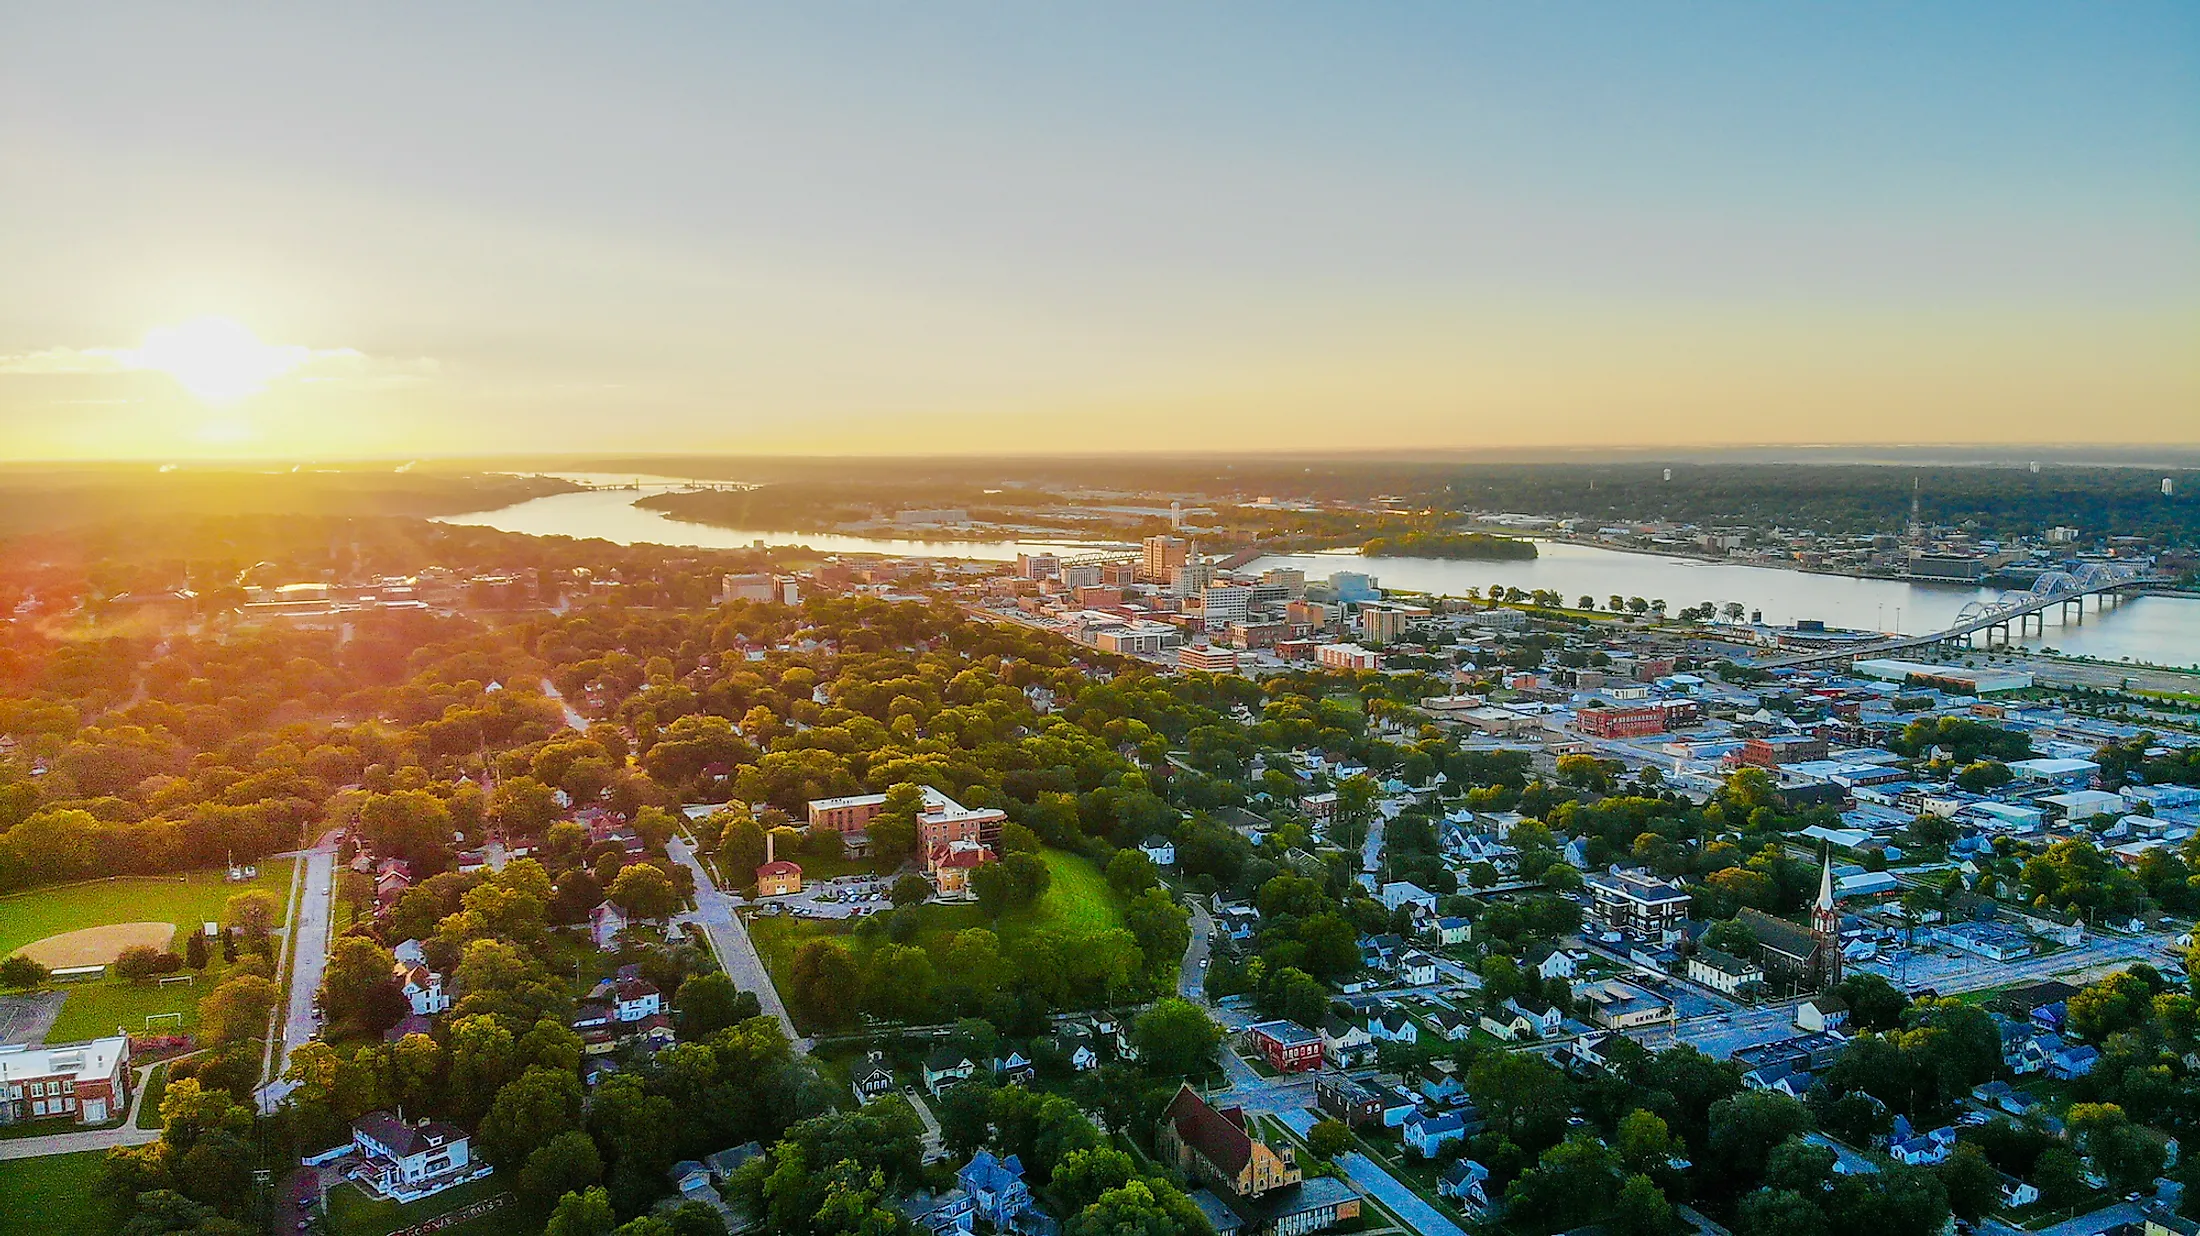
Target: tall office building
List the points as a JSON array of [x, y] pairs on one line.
[[1164, 554]]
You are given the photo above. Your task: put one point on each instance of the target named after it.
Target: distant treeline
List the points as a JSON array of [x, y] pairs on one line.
[[1840, 499], [1449, 545]]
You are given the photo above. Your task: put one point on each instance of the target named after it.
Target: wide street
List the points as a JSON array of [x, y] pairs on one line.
[[307, 941], [729, 939]]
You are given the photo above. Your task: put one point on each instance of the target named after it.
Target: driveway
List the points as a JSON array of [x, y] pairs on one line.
[[729, 939], [307, 940]]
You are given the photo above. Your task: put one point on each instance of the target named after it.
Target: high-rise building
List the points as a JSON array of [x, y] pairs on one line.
[[1163, 555], [1191, 577], [1291, 579]]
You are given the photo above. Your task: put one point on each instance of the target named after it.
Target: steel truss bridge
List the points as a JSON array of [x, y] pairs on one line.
[[2017, 612]]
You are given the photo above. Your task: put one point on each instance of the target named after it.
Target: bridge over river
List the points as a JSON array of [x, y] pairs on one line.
[[2105, 583]]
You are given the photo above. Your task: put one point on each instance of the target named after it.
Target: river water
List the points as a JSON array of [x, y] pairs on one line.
[[610, 515], [2158, 630], [2161, 630]]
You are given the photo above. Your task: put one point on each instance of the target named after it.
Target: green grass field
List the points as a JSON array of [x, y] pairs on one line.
[[1077, 899], [185, 900], [352, 1213], [58, 1193], [156, 1089]]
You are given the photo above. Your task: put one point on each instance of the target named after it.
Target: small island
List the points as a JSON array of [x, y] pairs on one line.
[[1449, 545]]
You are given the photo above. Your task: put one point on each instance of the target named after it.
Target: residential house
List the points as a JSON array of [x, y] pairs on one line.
[[996, 1188], [1439, 1085], [409, 1160], [1448, 1025], [1508, 1023], [1392, 1027], [778, 878], [872, 1077], [1399, 894], [1075, 1042], [1015, 1068], [635, 999], [423, 990], [1453, 930], [1466, 1183], [1345, 1044], [1544, 1018], [605, 922], [939, 1213], [1427, 1135], [1550, 962], [2073, 1062], [1908, 1146], [1416, 968], [1159, 850], [1724, 972], [1822, 1013], [946, 1066]]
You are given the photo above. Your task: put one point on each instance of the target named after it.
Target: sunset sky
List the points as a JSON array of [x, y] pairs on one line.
[[412, 230]]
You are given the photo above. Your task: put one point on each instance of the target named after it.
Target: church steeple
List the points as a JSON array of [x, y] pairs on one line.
[[1825, 925]]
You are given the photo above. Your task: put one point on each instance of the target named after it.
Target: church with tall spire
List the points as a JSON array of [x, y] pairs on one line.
[[1798, 958]]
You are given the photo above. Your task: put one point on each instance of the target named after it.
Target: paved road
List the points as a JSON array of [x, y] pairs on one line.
[[127, 1134], [27, 1018], [1372, 1178], [1191, 978], [729, 939], [308, 945], [573, 717]]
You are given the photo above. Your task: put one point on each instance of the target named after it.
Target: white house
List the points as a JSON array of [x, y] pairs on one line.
[[1399, 893], [1450, 931], [1822, 1013], [1467, 1183], [1345, 1043], [1392, 1027], [1723, 972], [635, 999], [1417, 969], [1159, 850], [1427, 1135], [1544, 1018], [423, 990], [408, 1161], [1551, 963], [605, 922]]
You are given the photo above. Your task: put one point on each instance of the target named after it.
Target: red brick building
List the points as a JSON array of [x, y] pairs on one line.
[[85, 1082], [1288, 1046]]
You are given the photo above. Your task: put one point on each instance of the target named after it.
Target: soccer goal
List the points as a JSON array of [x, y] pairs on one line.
[[170, 980], [173, 1019]]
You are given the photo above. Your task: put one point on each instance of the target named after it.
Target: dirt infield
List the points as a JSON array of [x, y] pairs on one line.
[[94, 946]]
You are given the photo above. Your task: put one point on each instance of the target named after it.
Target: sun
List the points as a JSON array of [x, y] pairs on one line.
[[219, 360]]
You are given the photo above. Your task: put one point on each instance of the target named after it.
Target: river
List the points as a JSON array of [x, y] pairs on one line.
[[610, 515], [2158, 630]]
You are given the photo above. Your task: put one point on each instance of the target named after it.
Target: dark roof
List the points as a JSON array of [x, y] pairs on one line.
[[1220, 1136], [1781, 936], [405, 1140]]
